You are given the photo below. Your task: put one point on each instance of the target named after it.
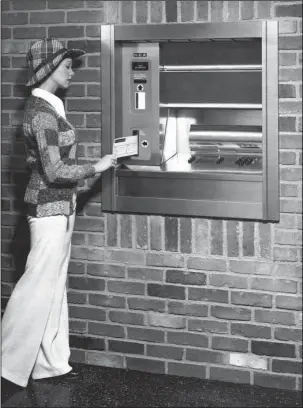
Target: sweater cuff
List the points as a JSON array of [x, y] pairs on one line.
[[89, 170]]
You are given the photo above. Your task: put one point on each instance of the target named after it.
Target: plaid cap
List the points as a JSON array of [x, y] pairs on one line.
[[44, 56]]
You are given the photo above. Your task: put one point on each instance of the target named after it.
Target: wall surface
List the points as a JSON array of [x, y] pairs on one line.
[[213, 299]]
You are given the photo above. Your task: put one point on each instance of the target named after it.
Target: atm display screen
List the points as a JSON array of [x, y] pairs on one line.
[[139, 65]]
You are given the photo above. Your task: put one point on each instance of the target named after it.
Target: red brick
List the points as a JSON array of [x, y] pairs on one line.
[[107, 300], [289, 190], [149, 335], [137, 303], [206, 264], [6, 33], [184, 277], [248, 239], [171, 11], [275, 317], [287, 27], [265, 240], [286, 366], [229, 281], [230, 344], [287, 91], [87, 284], [168, 352], [251, 299], [93, 30], [285, 334], [288, 237], [171, 234], [290, 206], [185, 235], [247, 10], [120, 286], [164, 259], [274, 285], [93, 90], [290, 141], [112, 12], [270, 348], [125, 347], [76, 267], [78, 239], [205, 356], [216, 10], [229, 375], [14, 18], [233, 12], [156, 11], [288, 302], [263, 9], [91, 254], [106, 330], [78, 356], [126, 230], [76, 297], [216, 237], [147, 365], [201, 239], [105, 359], [207, 326], [67, 4], [251, 330], [82, 105], [156, 234], [93, 120], [287, 158], [89, 16], [162, 320], [233, 238], [291, 10], [145, 274], [90, 46], [274, 381], [203, 10], [187, 11], [185, 338], [230, 313], [141, 12], [66, 32], [188, 309], [287, 58], [127, 11], [290, 74], [77, 326], [126, 317], [288, 270], [141, 231], [5, 61], [209, 295], [186, 370], [86, 313], [166, 291]]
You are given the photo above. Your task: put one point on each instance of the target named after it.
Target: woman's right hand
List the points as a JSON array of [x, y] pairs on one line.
[[107, 161]]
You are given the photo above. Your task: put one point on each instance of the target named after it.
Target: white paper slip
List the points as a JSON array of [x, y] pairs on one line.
[[126, 146]]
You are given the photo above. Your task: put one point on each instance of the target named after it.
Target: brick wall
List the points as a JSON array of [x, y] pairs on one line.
[[196, 297]]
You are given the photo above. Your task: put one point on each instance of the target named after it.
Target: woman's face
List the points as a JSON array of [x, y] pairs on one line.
[[63, 74]]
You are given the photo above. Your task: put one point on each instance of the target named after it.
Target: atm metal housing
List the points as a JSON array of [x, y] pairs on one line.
[[201, 78]]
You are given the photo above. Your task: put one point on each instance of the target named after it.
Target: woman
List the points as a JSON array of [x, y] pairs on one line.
[[35, 323]]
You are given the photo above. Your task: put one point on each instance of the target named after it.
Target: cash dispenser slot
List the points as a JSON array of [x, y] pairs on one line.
[[197, 98]]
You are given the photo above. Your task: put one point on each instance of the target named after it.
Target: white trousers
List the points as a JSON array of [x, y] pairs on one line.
[[35, 332]]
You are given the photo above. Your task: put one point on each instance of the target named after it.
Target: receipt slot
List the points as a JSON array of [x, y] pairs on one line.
[[192, 112]]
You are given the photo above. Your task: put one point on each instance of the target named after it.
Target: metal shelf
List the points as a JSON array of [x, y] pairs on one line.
[[212, 105], [203, 68]]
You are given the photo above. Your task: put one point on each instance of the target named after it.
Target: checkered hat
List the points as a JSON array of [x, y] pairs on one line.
[[44, 56]]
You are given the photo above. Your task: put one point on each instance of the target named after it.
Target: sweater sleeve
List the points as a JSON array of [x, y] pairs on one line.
[[45, 129]]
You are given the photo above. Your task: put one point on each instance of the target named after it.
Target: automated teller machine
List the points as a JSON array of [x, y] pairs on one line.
[[200, 102]]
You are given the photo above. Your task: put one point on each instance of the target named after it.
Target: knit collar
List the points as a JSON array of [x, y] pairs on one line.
[[56, 102]]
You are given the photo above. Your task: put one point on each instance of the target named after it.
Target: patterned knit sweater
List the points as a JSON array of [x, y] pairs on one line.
[[51, 156]]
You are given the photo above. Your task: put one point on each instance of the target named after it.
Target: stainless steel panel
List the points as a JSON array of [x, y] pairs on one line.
[[190, 208], [211, 88], [192, 31], [244, 191]]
